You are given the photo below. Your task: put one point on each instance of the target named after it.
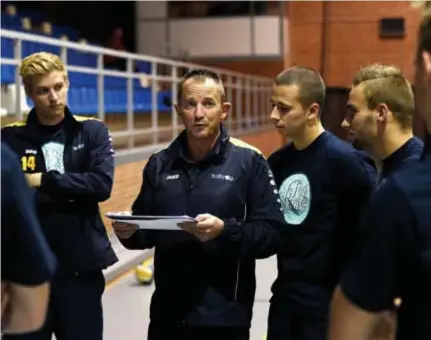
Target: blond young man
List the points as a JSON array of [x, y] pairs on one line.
[[69, 163], [379, 117], [395, 259], [379, 120]]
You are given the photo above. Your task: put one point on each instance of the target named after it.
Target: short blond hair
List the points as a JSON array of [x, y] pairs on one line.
[[386, 84], [423, 5], [40, 64]]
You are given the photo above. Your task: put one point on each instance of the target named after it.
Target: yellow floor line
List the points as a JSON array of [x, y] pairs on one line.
[[118, 278]]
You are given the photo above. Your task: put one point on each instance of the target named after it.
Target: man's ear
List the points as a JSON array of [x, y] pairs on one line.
[[226, 106], [178, 110], [314, 112], [382, 113]]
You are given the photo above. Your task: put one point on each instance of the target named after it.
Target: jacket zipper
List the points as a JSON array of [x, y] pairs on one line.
[[239, 263], [191, 180]]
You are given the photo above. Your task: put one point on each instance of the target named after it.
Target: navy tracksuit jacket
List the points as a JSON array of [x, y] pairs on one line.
[[76, 160], [209, 284], [71, 189]]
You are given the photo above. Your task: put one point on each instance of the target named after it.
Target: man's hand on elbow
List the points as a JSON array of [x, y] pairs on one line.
[[34, 180]]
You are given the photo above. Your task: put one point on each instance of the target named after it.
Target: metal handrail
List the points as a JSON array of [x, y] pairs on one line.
[[251, 98], [107, 51]]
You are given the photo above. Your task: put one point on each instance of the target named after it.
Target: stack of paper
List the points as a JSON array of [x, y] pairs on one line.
[[150, 221]]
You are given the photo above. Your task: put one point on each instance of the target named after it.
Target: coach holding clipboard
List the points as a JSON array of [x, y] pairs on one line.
[[226, 185]]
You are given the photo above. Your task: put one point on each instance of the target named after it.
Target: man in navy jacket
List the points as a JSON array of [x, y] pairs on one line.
[[395, 260], [69, 163], [379, 121], [379, 117], [205, 275]]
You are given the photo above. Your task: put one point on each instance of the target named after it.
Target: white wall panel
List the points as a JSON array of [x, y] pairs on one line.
[[151, 38], [151, 9], [267, 35], [211, 37]]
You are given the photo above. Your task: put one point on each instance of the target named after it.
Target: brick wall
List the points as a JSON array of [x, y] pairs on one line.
[[128, 177], [263, 67], [352, 37]]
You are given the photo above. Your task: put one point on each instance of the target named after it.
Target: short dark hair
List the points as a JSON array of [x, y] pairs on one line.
[[199, 74], [311, 86]]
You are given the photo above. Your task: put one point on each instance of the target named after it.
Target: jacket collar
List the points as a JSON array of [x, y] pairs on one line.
[[178, 150], [393, 161], [427, 147], [68, 118]]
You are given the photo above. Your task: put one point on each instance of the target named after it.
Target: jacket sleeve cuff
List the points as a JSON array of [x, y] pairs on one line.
[[44, 180], [232, 230]]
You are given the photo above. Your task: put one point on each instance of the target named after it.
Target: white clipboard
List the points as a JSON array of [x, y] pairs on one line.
[[150, 221]]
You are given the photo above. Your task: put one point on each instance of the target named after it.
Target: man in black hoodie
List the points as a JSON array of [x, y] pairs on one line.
[[324, 185]]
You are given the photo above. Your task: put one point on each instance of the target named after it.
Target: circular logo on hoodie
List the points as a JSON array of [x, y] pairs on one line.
[[295, 196]]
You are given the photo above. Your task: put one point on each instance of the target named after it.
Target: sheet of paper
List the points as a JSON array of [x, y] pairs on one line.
[[151, 222]]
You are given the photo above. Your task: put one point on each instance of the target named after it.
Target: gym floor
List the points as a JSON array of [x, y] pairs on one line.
[[126, 305]]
